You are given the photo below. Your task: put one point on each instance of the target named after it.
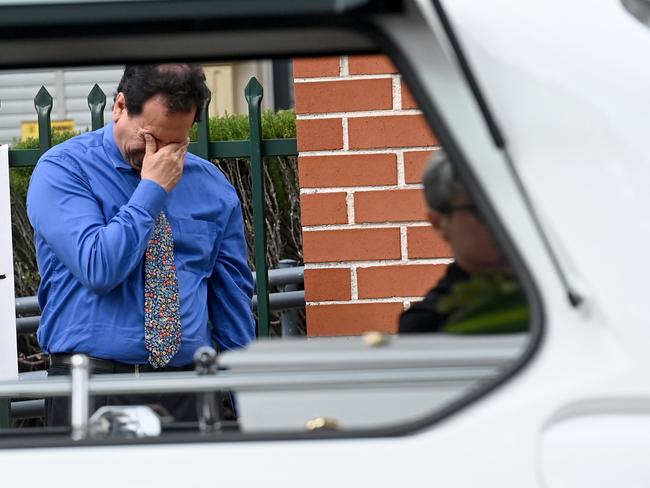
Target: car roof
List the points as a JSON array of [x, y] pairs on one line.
[[72, 32]]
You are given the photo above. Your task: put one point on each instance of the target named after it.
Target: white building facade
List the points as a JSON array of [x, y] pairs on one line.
[[69, 88]]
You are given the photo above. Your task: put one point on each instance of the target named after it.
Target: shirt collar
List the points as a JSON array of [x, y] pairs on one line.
[[112, 151]]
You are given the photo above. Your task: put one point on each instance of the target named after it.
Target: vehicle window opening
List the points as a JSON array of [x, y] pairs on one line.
[[364, 217]]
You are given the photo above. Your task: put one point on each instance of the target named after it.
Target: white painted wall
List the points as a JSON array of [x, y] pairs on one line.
[[69, 87], [8, 363], [263, 71]]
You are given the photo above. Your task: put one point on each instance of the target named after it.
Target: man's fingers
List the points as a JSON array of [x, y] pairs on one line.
[[150, 144], [183, 147], [182, 150]]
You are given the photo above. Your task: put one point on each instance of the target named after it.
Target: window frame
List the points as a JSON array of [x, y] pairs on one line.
[[371, 27]]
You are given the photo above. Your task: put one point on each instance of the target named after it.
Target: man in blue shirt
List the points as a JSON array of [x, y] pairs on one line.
[[96, 202]]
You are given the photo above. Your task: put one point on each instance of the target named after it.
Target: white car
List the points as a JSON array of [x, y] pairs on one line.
[[543, 108]]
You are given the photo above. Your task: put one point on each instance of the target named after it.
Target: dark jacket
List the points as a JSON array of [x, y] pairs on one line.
[[424, 316]]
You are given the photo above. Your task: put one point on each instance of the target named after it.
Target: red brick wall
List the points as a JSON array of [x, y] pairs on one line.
[[369, 252]]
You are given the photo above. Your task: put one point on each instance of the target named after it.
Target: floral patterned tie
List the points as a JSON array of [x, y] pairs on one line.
[[162, 320]]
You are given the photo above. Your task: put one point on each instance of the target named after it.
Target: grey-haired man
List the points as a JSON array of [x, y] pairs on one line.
[[453, 215]]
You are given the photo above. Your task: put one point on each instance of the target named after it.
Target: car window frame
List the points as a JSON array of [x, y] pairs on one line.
[[381, 38]]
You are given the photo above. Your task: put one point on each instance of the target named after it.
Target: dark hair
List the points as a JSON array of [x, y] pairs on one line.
[[440, 182], [182, 86]]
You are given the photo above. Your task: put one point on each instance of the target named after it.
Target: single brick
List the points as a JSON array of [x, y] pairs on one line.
[[323, 208], [425, 242], [319, 134], [390, 131], [414, 163], [407, 98], [389, 206], [370, 65], [343, 96], [315, 67], [327, 284], [351, 245], [398, 281], [352, 319], [350, 170]]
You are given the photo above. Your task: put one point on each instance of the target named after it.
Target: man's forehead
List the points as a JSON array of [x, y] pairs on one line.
[[167, 130]]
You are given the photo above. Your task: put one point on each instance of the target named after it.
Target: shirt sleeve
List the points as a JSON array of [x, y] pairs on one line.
[[230, 290], [64, 212]]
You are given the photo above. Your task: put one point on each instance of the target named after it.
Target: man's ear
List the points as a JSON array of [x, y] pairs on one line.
[[435, 218], [439, 223], [119, 107]]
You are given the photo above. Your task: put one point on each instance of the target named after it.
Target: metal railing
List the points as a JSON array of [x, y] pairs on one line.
[[255, 149], [432, 361], [285, 278], [284, 381]]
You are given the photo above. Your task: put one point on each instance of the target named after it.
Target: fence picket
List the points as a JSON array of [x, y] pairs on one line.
[[254, 94], [202, 147], [43, 102], [96, 104]]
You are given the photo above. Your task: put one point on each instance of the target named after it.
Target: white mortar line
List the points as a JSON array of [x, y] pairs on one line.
[[346, 77], [389, 150], [359, 152], [403, 244], [397, 92], [366, 225], [349, 200], [357, 114], [423, 149], [361, 301], [412, 262], [337, 265], [410, 186], [401, 175], [346, 134], [344, 66], [371, 264], [354, 283]]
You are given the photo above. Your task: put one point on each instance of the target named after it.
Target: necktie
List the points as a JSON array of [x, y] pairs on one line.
[[162, 321]]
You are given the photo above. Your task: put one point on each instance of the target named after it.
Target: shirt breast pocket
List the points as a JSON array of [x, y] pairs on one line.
[[194, 242]]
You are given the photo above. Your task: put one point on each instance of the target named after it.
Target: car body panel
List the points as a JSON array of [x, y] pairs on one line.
[[566, 86]]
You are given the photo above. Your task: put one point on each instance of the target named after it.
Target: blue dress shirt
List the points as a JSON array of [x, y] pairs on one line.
[[92, 217]]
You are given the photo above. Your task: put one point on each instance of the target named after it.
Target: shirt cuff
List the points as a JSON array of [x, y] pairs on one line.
[[150, 196]]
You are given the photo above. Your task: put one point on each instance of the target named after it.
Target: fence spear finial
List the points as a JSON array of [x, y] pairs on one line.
[[96, 104], [43, 103]]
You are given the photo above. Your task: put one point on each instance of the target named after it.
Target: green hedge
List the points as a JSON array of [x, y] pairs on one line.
[[275, 125]]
